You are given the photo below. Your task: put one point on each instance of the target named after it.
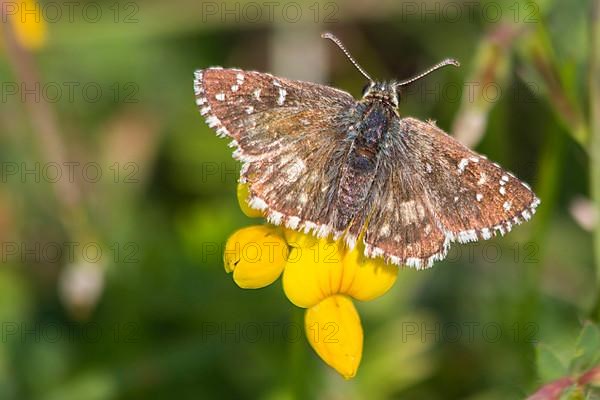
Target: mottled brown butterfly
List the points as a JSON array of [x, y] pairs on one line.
[[319, 161]]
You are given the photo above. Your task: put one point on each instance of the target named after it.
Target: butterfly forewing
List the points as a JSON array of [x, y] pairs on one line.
[[290, 135], [298, 182]]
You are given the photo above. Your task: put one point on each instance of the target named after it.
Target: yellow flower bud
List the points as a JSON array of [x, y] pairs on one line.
[[242, 195], [334, 331], [256, 255]]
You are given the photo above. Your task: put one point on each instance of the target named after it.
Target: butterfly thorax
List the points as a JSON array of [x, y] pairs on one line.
[[362, 161]]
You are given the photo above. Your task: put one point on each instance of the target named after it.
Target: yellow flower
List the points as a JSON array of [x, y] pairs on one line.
[[28, 23], [320, 267], [321, 275]]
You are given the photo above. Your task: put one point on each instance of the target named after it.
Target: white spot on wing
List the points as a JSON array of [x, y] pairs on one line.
[[385, 230], [222, 131], [420, 211], [295, 170], [467, 236], [293, 222], [413, 262], [500, 229], [303, 198], [275, 217], [462, 165], [257, 203], [377, 252], [350, 241], [220, 96], [281, 98], [391, 204], [482, 179], [239, 78], [486, 234], [322, 231], [411, 211], [257, 94], [308, 226], [212, 121]]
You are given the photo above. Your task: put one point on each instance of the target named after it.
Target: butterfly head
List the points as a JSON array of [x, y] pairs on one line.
[[385, 91]]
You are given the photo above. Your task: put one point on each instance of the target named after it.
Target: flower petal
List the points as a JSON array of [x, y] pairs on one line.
[[242, 196], [313, 272], [334, 331], [299, 239], [318, 268], [256, 255], [366, 278]]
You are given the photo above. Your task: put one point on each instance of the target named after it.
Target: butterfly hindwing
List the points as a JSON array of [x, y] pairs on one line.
[[402, 225], [445, 192], [473, 197]]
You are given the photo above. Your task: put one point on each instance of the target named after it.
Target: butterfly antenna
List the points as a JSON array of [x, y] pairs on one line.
[[448, 61], [337, 41]]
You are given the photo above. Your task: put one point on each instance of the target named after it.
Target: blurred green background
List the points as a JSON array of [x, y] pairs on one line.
[[116, 200]]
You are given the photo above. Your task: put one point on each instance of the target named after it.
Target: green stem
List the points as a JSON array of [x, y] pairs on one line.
[[594, 79]]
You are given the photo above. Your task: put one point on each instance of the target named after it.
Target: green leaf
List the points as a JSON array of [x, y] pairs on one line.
[[549, 366], [587, 349]]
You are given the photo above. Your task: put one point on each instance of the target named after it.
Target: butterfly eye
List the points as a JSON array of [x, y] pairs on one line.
[[398, 95], [366, 88]]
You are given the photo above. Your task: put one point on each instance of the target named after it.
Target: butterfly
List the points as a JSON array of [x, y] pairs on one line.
[[317, 160]]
